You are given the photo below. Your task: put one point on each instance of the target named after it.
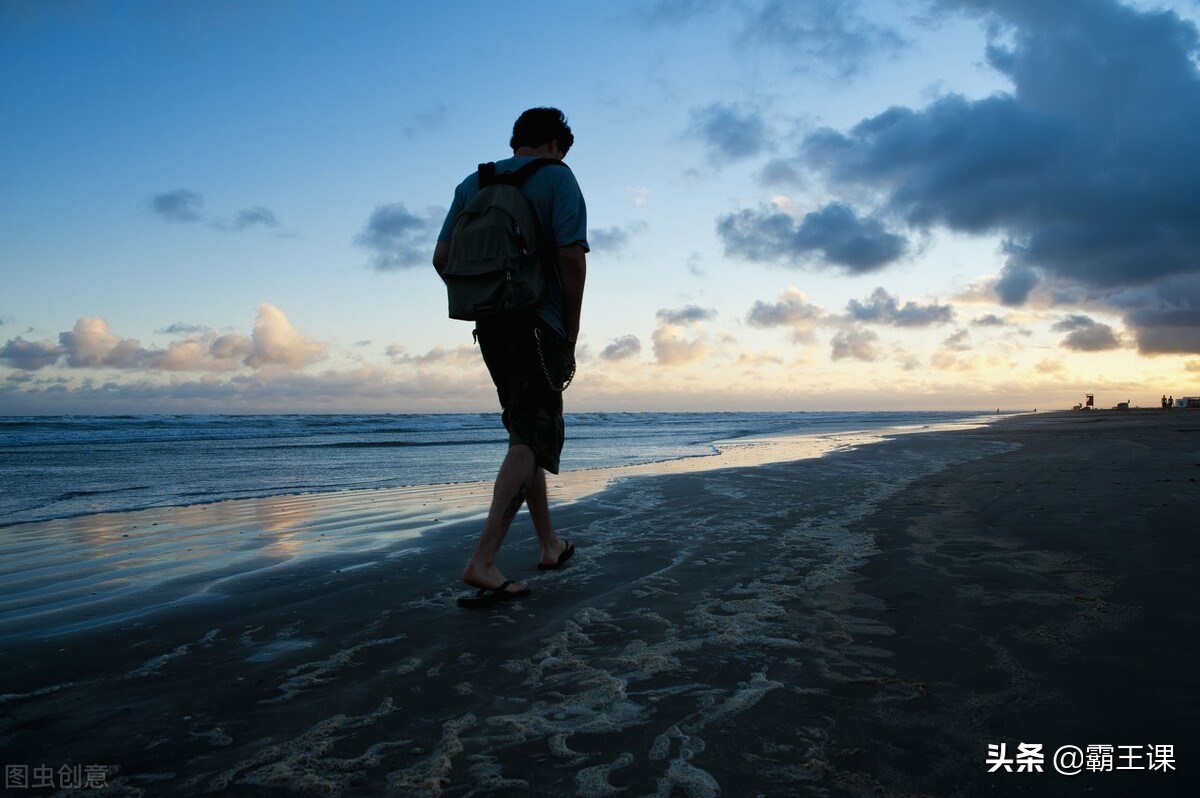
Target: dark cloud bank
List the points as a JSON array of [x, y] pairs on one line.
[[833, 235], [1087, 335], [1087, 169]]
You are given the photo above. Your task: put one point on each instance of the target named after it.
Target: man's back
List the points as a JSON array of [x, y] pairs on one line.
[[558, 203]]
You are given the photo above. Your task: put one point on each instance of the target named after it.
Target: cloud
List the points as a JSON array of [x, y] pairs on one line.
[[622, 348], [180, 328], [758, 360], [207, 352], [674, 347], [257, 216], [1165, 316], [1100, 338], [91, 344], [690, 314], [1015, 284], [989, 320], [782, 172], [855, 344], [959, 341], [1087, 335], [829, 35], [958, 163], [183, 205], [833, 235], [615, 239], [30, 355], [793, 311], [1074, 322], [399, 238], [730, 132], [180, 205], [678, 339], [275, 342], [1087, 169], [438, 356], [883, 308]]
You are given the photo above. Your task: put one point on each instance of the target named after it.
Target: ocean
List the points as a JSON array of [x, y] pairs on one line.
[[61, 467]]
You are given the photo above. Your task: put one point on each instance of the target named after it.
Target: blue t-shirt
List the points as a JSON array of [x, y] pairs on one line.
[[555, 197]]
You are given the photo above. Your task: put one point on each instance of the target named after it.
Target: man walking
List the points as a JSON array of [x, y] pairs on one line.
[[530, 355]]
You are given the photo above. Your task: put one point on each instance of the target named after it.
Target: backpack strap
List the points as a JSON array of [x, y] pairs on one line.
[[487, 174], [526, 171]]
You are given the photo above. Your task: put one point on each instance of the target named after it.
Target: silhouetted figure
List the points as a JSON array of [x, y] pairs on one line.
[[529, 355]]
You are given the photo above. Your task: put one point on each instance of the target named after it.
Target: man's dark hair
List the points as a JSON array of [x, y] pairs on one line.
[[539, 126]]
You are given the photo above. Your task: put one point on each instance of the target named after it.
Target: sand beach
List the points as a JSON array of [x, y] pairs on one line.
[[939, 613]]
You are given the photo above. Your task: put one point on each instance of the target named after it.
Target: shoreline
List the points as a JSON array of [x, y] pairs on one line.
[[197, 547], [866, 623], [577, 438]]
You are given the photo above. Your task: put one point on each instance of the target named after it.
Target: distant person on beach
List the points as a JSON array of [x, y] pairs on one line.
[[1164, 402], [530, 355]]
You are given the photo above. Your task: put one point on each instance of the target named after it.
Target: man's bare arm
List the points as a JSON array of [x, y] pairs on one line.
[[572, 265]]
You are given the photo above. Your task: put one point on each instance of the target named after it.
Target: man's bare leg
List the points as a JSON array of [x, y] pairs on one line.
[[539, 511], [512, 486]]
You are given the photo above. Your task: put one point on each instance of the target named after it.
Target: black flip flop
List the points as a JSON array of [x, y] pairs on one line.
[[487, 596], [562, 559]]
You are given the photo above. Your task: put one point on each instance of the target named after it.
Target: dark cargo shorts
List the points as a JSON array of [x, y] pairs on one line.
[[526, 375]]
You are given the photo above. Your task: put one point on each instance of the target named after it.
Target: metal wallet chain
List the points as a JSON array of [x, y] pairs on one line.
[[537, 336]]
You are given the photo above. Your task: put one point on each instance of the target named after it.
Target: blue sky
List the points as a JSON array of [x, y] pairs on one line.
[[230, 206]]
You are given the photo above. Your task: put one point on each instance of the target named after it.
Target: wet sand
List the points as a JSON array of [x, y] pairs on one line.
[[866, 623]]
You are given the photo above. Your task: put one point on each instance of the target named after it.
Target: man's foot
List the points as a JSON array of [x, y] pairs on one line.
[[489, 579], [557, 557], [488, 596]]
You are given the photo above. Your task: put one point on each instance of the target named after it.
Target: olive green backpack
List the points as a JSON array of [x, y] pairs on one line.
[[497, 265]]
